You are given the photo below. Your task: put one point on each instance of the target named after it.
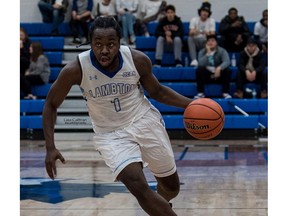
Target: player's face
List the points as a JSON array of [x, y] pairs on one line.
[[105, 45]]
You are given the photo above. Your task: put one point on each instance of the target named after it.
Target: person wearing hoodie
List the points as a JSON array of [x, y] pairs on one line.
[[234, 31], [251, 69], [169, 33]]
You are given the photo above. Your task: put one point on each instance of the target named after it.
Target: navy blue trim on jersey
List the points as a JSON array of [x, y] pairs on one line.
[[109, 74]]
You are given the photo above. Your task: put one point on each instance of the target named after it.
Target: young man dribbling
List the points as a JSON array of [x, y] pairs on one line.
[[129, 131]]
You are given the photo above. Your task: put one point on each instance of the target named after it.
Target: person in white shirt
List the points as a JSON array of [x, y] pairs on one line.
[[261, 31], [105, 8], [199, 28]]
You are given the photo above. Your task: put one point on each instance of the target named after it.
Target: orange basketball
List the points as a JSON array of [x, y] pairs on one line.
[[204, 118]]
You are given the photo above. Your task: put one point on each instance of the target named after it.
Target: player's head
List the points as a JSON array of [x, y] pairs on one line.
[[105, 22], [105, 34]]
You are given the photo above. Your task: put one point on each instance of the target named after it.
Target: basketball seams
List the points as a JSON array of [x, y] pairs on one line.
[[204, 105], [190, 118]]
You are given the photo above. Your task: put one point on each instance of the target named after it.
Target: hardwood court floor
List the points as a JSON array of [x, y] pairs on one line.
[[215, 181]]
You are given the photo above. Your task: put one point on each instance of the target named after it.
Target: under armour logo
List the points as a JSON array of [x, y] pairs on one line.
[[93, 77]]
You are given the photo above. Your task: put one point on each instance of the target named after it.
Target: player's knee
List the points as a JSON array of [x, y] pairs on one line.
[[174, 190], [171, 190], [135, 184]]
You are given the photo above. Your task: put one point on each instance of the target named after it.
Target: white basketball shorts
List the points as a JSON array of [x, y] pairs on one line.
[[145, 140]]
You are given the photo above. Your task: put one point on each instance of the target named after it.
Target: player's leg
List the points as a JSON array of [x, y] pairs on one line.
[[158, 153], [168, 187], [123, 155], [152, 203]]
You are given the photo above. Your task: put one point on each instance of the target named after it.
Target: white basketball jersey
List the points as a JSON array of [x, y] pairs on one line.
[[114, 100]]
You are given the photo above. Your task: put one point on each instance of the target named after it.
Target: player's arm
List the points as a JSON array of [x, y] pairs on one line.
[[151, 84], [69, 76]]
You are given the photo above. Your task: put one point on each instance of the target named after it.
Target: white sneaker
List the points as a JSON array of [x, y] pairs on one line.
[[132, 39], [226, 96], [199, 95], [194, 63]]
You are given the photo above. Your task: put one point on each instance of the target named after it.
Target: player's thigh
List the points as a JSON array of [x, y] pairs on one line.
[[155, 144], [118, 150]]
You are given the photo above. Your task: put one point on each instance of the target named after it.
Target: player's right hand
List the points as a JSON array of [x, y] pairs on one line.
[[50, 162]]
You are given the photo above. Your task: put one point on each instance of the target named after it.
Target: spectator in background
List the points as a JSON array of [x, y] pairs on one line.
[[38, 72], [80, 19], [53, 11], [105, 8], [234, 31], [126, 10], [261, 31], [169, 33], [152, 10], [251, 69], [213, 67], [200, 26], [24, 51]]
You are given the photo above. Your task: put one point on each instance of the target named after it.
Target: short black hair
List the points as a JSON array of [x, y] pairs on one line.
[[232, 9], [170, 7], [211, 36], [105, 22]]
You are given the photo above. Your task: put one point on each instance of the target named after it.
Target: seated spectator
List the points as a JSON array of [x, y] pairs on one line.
[[251, 69], [169, 33], [80, 19], [38, 72], [152, 10], [261, 31], [126, 10], [24, 51], [53, 11], [199, 27], [213, 67], [105, 8], [234, 31]]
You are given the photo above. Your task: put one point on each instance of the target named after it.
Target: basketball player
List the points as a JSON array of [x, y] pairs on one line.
[[129, 131]]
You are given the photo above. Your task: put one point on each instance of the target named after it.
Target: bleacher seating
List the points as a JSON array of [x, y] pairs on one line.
[[50, 42], [38, 29], [180, 79], [55, 58], [31, 114], [44, 29]]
